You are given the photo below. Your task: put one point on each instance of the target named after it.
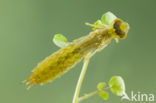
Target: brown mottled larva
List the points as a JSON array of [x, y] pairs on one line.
[[61, 61]]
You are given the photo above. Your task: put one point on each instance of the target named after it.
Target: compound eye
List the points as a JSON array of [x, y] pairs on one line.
[[118, 30]]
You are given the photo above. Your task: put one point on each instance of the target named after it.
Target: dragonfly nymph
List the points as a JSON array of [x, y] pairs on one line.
[[64, 59]]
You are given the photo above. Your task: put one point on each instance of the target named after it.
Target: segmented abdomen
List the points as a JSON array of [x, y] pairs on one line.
[[60, 62]]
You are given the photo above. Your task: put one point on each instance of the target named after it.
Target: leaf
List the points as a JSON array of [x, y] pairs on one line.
[[103, 95], [101, 85], [60, 40], [117, 85], [108, 18], [97, 23]]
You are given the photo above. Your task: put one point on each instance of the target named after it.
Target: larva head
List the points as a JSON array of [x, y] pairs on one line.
[[120, 29]]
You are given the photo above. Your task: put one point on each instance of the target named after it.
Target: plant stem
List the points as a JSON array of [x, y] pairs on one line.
[[79, 83], [92, 93], [88, 95]]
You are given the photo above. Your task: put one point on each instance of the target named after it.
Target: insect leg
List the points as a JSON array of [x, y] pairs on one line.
[[96, 26]]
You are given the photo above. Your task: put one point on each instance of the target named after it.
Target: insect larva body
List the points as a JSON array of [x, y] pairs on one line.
[[64, 59], [61, 61]]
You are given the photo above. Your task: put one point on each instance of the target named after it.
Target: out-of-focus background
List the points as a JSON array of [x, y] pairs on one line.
[[26, 31]]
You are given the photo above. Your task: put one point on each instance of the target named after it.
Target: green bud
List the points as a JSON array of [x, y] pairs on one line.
[[117, 85], [60, 40], [101, 85], [97, 23], [103, 95], [108, 18]]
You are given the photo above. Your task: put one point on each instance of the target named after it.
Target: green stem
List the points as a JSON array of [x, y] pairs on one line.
[[88, 95], [91, 94], [79, 83]]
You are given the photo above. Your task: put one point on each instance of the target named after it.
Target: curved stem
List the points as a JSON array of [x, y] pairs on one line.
[[79, 83]]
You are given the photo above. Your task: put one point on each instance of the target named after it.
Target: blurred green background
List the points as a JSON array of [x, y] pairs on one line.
[[26, 31]]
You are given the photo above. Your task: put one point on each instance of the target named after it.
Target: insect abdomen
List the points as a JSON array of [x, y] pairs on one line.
[[64, 59], [56, 65]]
